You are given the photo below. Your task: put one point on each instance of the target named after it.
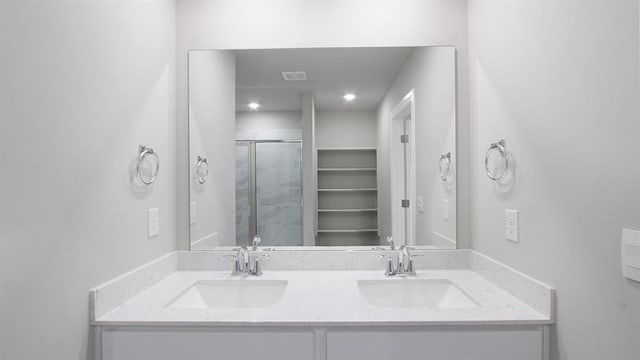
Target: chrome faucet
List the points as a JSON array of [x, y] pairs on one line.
[[246, 261], [401, 265], [405, 261], [256, 241], [392, 245]]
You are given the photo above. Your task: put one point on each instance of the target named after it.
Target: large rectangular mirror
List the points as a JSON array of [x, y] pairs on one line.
[[325, 147]]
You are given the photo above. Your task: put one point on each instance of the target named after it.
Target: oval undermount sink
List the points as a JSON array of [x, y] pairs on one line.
[[213, 294], [407, 292]]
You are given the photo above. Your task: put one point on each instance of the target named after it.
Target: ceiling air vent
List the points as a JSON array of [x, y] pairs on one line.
[[294, 75]]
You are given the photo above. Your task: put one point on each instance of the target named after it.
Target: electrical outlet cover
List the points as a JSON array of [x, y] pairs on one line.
[[445, 209], [193, 213], [511, 225], [153, 222]]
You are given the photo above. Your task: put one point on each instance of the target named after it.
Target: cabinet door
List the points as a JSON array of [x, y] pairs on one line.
[[476, 344], [201, 344]]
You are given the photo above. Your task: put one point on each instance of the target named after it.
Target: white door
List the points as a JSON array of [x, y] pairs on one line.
[[402, 172]]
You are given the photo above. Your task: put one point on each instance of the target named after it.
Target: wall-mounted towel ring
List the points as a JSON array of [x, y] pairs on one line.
[[444, 165], [500, 148], [143, 153], [202, 170]]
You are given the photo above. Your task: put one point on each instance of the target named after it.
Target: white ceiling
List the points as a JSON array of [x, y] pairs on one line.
[[331, 72]]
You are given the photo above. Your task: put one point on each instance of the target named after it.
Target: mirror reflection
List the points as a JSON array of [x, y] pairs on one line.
[[328, 147]]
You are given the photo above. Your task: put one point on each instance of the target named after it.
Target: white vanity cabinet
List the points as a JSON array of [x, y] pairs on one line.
[[329, 343], [194, 343], [438, 343], [321, 314]]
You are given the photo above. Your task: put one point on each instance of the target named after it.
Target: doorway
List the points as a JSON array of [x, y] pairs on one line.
[[403, 171]]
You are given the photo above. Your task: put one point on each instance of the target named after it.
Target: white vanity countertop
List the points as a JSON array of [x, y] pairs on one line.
[[322, 298]]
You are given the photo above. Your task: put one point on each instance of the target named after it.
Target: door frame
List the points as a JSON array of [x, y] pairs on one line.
[[400, 216]]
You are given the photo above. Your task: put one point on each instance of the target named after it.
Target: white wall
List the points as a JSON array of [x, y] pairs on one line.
[[430, 72], [343, 128], [309, 167], [559, 81], [238, 24], [212, 111], [268, 125], [81, 85]]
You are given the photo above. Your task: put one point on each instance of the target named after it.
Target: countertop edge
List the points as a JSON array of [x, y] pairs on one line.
[[221, 324]]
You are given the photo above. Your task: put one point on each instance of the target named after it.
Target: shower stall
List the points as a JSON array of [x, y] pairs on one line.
[[269, 192]]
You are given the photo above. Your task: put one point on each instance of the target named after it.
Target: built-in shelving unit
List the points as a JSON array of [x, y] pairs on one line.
[[347, 231], [338, 190], [348, 169], [347, 196], [347, 210]]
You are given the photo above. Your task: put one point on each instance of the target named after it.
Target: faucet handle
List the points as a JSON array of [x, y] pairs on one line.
[[237, 270], [256, 241], [390, 270], [410, 268], [391, 243], [255, 266]]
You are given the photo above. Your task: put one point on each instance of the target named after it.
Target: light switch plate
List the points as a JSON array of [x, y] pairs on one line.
[[193, 213], [512, 228], [631, 254], [420, 203], [445, 209], [153, 222]]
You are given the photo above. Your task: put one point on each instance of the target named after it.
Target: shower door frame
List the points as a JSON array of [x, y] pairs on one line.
[[253, 196]]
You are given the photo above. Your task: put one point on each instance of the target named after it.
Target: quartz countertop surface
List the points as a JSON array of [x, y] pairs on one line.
[[323, 298]]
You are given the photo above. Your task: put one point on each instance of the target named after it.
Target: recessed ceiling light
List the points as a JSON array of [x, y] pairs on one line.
[[254, 106], [349, 97]]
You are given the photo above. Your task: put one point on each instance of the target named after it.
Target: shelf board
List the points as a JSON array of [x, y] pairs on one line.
[[347, 169], [347, 149], [346, 210], [347, 190], [348, 231]]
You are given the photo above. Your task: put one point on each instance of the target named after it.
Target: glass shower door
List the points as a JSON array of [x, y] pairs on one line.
[[269, 192], [278, 193], [243, 192]]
